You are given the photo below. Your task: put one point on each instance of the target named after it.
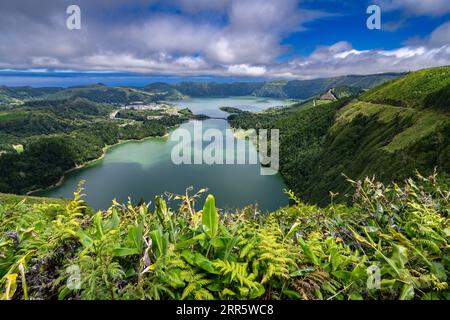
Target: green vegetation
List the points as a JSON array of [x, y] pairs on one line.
[[272, 89], [12, 199], [56, 251], [392, 225], [96, 93], [305, 89], [103, 94], [41, 139], [360, 137], [345, 92], [419, 89], [15, 95], [163, 91], [212, 89], [297, 89]]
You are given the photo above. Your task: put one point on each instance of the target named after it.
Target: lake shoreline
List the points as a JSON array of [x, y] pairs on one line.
[[105, 149], [163, 177]]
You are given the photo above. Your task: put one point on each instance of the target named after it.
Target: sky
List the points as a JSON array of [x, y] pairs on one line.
[[219, 39]]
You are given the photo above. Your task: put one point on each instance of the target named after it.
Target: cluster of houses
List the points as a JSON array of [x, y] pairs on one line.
[[139, 105], [162, 109]]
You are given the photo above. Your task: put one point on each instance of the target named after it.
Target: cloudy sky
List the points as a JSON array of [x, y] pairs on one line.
[[289, 39]]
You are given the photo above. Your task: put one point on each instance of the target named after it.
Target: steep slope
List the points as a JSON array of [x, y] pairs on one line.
[[304, 89], [391, 131], [419, 89], [272, 89]]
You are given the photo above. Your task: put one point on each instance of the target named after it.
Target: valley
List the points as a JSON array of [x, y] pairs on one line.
[[363, 182], [143, 170]]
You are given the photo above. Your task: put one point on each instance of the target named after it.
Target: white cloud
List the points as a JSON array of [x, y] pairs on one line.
[[247, 70], [239, 32], [342, 59], [234, 37], [203, 5], [440, 36], [417, 7]]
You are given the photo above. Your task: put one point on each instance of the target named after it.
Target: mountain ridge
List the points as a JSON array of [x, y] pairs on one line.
[[160, 91]]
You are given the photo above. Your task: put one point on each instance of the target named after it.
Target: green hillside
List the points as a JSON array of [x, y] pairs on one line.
[[96, 93], [418, 89], [341, 92], [163, 91], [363, 137], [41, 139], [305, 89], [15, 95], [272, 89], [294, 89], [103, 94], [159, 91], [12, 199]]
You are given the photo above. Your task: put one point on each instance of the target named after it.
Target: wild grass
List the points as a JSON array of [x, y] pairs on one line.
[[421, 123]]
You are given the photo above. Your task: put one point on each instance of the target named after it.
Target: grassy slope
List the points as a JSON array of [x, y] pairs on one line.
[[363, 137], [390, 139], [13, 199], [411, 90], [423, 123]]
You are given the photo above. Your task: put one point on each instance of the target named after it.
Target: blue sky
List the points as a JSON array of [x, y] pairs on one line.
[[220, 39]]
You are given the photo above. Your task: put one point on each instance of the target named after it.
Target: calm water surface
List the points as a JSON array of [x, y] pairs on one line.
[[141, 170]]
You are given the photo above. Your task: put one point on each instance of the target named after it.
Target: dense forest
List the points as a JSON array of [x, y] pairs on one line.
[[58, 135]]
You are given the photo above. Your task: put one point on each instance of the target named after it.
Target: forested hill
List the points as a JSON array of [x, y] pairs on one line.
[[96, 93], [298, 89], [41, 139], [390, 131]]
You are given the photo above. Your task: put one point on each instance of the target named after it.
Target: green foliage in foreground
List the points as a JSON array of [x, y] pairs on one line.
[[51, 251]]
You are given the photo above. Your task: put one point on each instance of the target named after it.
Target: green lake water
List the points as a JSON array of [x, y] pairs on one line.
[[143, 169]]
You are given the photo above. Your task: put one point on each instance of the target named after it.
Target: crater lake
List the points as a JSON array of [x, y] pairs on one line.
[[140, 170]]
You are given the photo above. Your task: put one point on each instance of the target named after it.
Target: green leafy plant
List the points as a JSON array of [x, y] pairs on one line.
[[298, 252]]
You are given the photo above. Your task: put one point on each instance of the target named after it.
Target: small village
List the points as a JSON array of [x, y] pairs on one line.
[[159, 110]]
